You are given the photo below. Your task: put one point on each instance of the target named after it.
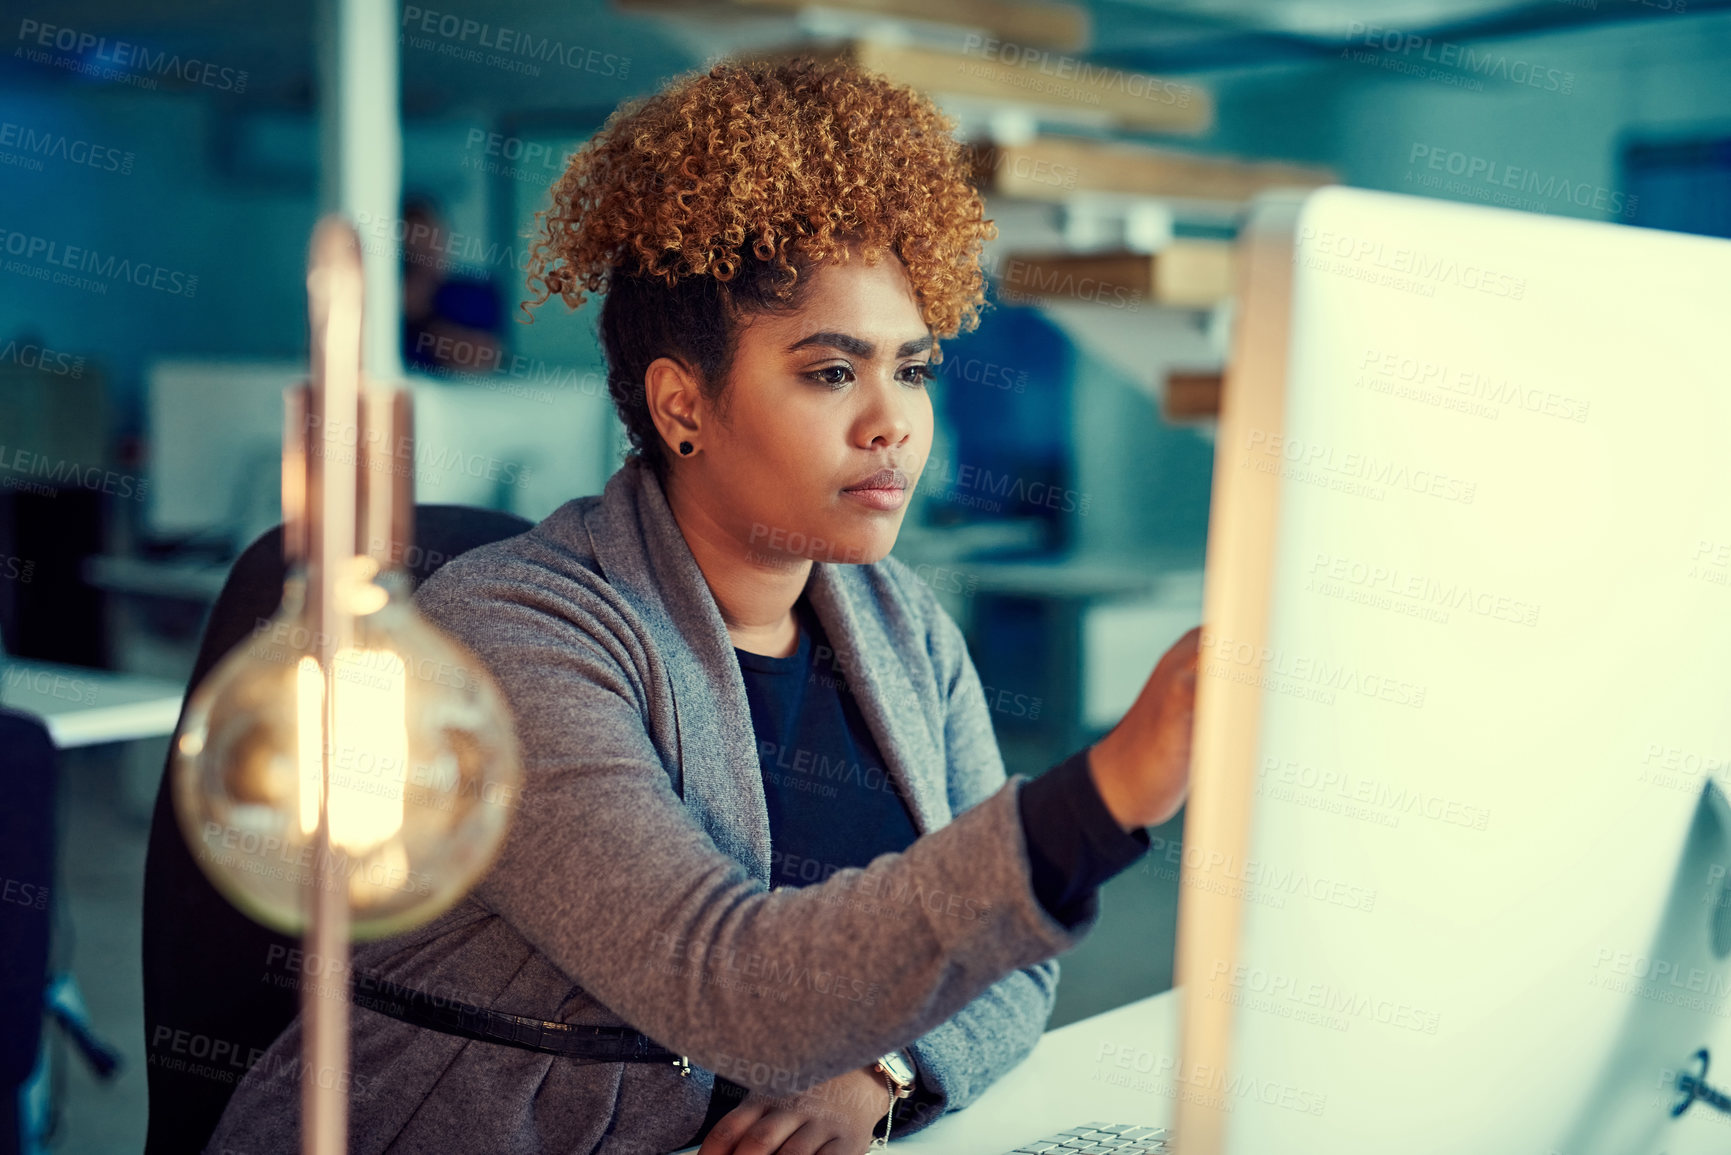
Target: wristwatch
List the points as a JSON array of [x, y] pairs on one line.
[[898, 1072]]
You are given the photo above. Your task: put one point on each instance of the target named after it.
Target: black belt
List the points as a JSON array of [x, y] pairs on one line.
[[571, 1040]]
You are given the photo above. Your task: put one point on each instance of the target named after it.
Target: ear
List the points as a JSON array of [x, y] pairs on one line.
[[670, 388]]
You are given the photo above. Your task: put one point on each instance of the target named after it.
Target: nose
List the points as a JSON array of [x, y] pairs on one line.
[[889, 420]]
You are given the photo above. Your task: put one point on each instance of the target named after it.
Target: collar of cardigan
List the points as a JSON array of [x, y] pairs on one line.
[[876, 627]]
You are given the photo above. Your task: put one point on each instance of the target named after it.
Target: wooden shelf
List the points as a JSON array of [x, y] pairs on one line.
[[1191, 395], [1173, 106], [1186, 274], [1043, 23], [1053, 168]]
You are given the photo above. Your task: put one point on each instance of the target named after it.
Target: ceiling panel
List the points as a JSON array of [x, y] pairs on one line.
[[274, 42]]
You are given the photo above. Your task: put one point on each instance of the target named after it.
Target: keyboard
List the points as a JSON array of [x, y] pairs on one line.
[[1100, 1139]]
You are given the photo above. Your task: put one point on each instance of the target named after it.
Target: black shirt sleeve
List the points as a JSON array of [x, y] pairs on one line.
[[1074, 843]]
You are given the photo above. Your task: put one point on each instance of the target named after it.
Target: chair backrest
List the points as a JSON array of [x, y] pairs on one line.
[[219, 987]]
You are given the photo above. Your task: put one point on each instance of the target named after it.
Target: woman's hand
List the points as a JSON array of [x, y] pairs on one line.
[[835, 1118], [1142, 768]]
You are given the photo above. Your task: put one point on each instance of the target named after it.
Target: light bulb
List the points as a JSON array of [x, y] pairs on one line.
[[424, 772]]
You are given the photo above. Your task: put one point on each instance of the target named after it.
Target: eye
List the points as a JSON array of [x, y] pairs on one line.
[[921, 374]]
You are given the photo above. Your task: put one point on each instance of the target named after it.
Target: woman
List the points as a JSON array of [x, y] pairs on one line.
[[766, 823]]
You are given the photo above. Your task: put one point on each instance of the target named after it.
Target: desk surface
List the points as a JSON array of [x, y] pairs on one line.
[[84, 707], [1071, 1077]]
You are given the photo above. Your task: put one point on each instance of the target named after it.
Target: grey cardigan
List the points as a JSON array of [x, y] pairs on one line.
[[632, 888]]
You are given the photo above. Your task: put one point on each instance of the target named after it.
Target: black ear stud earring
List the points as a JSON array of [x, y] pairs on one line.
[[684, 448]]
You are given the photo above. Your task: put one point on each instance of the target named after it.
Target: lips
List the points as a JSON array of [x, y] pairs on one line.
[[882, 479]]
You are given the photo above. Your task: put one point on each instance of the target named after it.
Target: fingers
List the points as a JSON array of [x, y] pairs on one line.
[[1185, 650], [841, 1146], [766, 1135], [1179, 667], [1190, 656], [1192, 666], [809, 1140], [723, 1138]]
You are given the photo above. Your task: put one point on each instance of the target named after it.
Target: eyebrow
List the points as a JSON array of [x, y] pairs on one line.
[[859, 348]]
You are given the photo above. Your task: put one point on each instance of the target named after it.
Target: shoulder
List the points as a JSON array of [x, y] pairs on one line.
[[561, 531], [537, 611], [524, 584]]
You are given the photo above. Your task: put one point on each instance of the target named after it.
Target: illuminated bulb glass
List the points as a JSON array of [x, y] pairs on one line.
[[424, 769]]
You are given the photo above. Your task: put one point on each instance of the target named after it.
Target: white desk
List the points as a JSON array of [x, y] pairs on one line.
[[84, 707], [1064, 1083]]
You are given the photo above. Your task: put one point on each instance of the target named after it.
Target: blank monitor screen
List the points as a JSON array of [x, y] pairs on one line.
[[1454, 873]]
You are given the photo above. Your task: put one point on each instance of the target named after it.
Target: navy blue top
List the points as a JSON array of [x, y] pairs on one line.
[[832, 804]]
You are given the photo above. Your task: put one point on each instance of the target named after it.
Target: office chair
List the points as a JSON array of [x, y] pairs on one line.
[[27, 825], [209, 1004]]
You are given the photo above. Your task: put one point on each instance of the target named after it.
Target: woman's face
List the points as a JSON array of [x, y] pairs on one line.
[[819, 400]]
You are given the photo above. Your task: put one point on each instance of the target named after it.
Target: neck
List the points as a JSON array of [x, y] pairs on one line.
[[754, 591]]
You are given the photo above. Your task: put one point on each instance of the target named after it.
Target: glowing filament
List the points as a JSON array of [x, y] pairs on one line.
[[370, 753]]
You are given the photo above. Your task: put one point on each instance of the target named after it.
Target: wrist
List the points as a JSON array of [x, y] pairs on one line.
[[1119, 776], [1105, 767], [895, 1074]]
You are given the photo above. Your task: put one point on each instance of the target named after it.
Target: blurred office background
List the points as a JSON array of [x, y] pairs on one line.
[[161, 167]]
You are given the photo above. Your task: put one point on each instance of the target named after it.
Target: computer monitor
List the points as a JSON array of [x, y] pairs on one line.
[[215, 435], [1454, 865], [526, 438]]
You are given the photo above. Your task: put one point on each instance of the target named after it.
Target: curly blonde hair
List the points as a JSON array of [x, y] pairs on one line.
[[709, 200]]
